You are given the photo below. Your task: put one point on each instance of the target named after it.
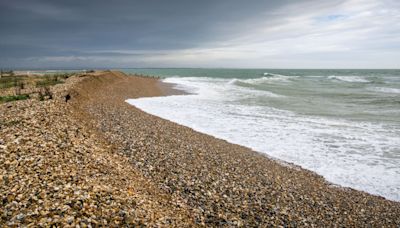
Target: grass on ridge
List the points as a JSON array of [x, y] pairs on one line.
[[11, 81], [4, 99], [48, 81]]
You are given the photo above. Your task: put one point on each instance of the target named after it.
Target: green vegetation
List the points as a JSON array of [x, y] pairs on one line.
[[13, 98], [48, 80], [19, 87], [10, 81]]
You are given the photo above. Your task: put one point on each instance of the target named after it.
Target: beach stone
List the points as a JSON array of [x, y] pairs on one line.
[[20, 217]]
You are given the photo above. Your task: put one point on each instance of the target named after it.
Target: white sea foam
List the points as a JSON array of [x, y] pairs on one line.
[[262, 80], [233, 81], [210, 87], [349, 78], [264, 92], [351, 154], [267, 74], [268, 79], [385, 90]]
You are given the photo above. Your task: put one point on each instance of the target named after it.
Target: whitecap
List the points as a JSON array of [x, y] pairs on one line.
[[349, 78], [385, 90]]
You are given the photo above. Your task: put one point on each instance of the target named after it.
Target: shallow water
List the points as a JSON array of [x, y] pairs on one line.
[[342, 124]]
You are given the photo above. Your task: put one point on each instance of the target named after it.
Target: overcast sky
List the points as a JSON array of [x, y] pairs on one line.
[[200, 33]]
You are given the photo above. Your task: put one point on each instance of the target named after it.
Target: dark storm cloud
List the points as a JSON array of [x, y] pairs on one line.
[[56, 28]]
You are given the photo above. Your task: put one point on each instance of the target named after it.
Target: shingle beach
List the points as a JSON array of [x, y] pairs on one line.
[[93, 159]]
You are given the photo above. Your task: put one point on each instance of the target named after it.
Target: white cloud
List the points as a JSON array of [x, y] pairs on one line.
[[349, 34]]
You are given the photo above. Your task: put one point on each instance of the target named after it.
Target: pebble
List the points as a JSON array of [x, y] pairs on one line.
[[70, 219], [20, 216]]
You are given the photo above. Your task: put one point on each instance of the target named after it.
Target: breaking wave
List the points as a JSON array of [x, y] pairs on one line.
[[385, 90], [349, 78]]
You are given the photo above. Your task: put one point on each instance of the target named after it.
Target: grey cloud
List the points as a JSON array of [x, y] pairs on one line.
[[93, 33], [150, 24]]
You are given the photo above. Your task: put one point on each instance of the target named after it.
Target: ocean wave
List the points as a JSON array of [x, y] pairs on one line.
[[233, 81], [241, 83], [268, 78], [266, 74], [278, 77], [385, 90], [349, 78]]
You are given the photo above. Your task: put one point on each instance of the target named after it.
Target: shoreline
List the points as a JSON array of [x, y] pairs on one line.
[[268, 156], [210, 150], [184, 177]]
